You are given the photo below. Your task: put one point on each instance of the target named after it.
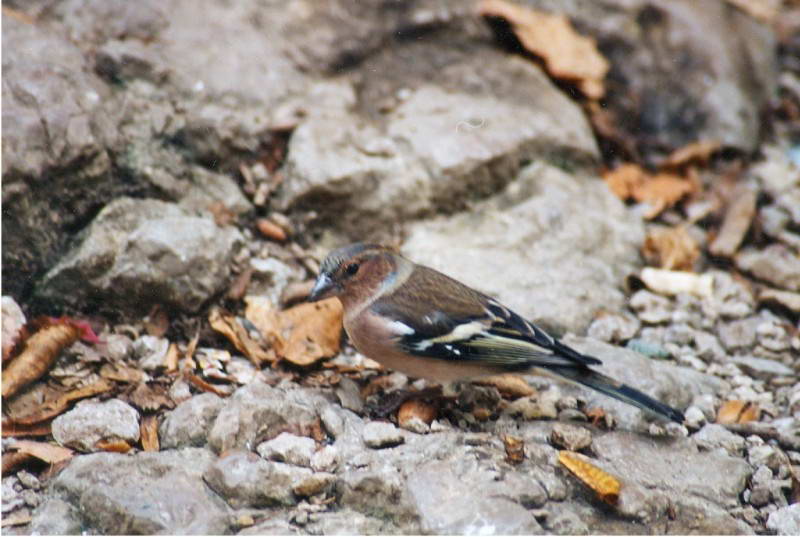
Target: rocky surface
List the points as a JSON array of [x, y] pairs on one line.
[[146, 145]]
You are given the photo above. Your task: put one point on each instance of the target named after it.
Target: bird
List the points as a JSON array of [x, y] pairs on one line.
[[425, 324]]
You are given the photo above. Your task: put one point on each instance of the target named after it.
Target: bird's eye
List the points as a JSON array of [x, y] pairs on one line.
[[351, 269]]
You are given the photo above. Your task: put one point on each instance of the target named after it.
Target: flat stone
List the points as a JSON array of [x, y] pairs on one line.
[[713, 436], [246, 480], [143, 493], [189, 423], [775, 264], [91, 421], [379, 434], [762, 367], [137, 253], [56, 517], [571, 437], [288, 448]]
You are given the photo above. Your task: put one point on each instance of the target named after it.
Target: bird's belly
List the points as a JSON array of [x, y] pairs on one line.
[[373, 338]]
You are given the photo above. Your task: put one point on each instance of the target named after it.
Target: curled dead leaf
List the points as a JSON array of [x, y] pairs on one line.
[[148, 433], [694, 153], [737, 412], [16, 430], [302, 334], [659, 191], [515, 448], [415, 409], [38, 355], [605, 485], [671, 248], [509, 385], [738, 217], [567, 55], [51, 409], [49, 453], [114, 446], [229, 326]]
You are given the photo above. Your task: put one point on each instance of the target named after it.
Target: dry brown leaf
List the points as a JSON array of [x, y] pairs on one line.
[[21, 16], [38, 355], [415, 408], [567, 55], [311, 331], [12, 460], [515, 448], [270, 229], [238, 288], [694, 153], [122, 373], [197, 382], [19, 430], [223, 216], [114, 446], [148, 432], [302, 334], [605, 485], [51, 409], [48, 453], [671, 248], [738, 217], [230, 327], [509, 385], [171, 359], [157, 322], [150, 397], [737, 412], [660, 191]]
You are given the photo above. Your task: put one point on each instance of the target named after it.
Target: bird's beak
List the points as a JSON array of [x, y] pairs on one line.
[[323, 288]]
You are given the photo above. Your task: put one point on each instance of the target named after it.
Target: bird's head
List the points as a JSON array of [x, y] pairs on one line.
[[354, 272]]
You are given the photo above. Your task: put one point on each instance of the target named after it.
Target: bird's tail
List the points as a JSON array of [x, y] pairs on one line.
[[603, 384]]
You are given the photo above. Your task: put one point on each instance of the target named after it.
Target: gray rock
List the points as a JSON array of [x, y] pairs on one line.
[[376, 493], [271, 526], [775, 264], [707, 346], [258, 411], [440, 146], [325, 459], [348, 522], [246, 480], [151, 351], [571, 437], [786, 520], [455, 497], [380, 434], [674, 468], [739, 334], [667, 104], [189, 423], [289, 448], [313, 484], [55, 517], [91, 421], [563, 521], [539, 222], [676, 386], [695, 418], [270, 277], [766, 455], [534, 407], [142, 252], [762, 367], [144, 493], [651, 308], [28, 480], [11, 496], [713, 436], [614, 327]]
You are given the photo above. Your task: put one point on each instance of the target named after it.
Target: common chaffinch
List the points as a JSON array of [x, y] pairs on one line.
[[416, 320]]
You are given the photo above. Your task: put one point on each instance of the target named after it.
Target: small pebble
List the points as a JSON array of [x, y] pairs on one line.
[[379, 434]]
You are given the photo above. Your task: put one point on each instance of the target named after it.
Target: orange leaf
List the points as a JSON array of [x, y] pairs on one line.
[[515, 448], [605, 485], [509, 385], [17, 430], [737, 412], [115, 446], [415, 408], [230, 327], [39, 354], [48, 453], [671, 248], [149, 433], [567, 55], [660, 191], [51, 409]]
